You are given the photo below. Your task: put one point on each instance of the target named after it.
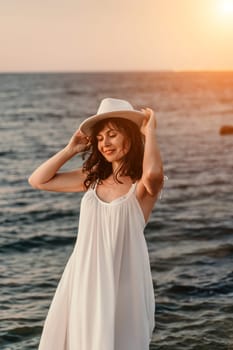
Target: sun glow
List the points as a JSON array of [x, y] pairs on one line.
[[226, 7]]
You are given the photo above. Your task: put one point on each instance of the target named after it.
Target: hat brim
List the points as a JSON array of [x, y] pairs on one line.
[[135, 116]]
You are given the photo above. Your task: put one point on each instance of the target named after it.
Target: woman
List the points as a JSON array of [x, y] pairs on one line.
[[105, 298]]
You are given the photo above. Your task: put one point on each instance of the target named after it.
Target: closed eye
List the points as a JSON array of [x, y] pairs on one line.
[[110, 134]]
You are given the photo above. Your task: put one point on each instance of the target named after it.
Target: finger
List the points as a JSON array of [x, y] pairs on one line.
[[143, 111], [85, 140], [150, 110], [147, 117], [81, 133], [147, 111], [77, 132]]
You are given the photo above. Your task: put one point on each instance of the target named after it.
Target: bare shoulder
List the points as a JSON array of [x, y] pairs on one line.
[[145, 199]]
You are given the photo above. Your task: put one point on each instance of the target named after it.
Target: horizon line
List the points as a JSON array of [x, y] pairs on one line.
[[119, 71]]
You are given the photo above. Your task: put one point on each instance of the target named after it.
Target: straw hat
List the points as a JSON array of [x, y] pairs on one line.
[[112, 108]]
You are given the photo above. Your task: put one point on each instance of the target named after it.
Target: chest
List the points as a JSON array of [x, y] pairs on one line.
[[109, 194]]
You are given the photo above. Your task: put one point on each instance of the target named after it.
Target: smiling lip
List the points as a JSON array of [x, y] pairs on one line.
[[109, 151]]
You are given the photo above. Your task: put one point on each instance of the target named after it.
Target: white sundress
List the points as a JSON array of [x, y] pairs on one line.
[[105, 297]]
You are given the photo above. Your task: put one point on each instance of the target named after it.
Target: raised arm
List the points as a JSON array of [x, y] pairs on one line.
[[152, 176], [46, 177], [151, 182]]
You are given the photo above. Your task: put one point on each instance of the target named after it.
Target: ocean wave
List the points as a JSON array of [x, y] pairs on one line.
[[17, 334], [36, 242]]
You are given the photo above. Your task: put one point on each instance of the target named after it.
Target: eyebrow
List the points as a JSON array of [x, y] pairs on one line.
[[106, 131]]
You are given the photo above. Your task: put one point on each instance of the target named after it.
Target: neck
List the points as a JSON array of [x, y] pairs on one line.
[[124, 179], [115, 166]]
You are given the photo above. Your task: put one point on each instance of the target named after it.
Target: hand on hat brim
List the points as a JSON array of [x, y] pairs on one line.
[[79, 142], [149, 122]]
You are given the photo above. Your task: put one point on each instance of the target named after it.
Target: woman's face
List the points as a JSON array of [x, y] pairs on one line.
[[112, 143]]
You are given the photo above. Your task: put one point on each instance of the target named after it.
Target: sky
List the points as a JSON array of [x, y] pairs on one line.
[[115, 35]]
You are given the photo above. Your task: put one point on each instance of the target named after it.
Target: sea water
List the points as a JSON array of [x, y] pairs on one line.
[[190, 232]]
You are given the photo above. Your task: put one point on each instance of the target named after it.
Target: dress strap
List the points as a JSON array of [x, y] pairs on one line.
[[93, 185], [161, 191], [134, 185]]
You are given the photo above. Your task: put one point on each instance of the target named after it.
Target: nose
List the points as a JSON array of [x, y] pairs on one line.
[[106, 141]]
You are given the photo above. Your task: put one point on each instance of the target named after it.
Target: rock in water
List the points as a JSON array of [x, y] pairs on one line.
[[226, 130]]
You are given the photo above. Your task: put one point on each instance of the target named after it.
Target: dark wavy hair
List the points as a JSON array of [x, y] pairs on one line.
[[98, 168]]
